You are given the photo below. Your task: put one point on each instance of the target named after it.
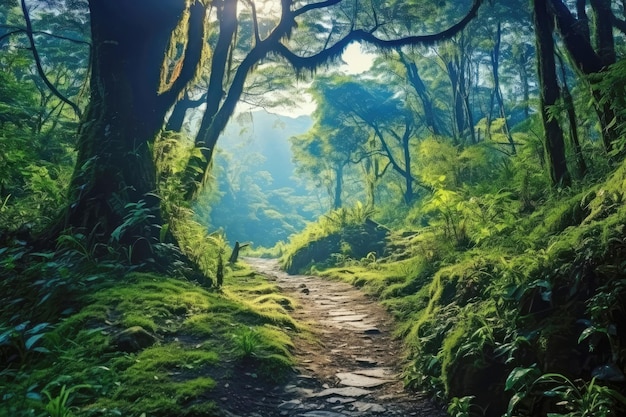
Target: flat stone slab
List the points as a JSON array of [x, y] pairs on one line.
[[343, 392], [350, 318], [376, 372], [361, 381], [341, 312], [371, 407], [290, 405], [366, 361], [321, 413]]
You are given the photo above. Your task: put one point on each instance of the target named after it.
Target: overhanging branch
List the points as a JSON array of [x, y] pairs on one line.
[[40, 71], [334, 52]]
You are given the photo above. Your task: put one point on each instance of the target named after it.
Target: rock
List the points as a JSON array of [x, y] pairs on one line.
[[305, 291], [321, 413], [376, 372], [343, 392], [133, 339], [363, 407], [290, 405], [362, 381], [341, 312], [340, 400], [366, 361], [350, 318]]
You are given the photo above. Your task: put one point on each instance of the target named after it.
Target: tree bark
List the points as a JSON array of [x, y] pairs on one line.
[[115, 172], [549, 94], [408, 177], [581, 166], [605, 43], [588, 61]]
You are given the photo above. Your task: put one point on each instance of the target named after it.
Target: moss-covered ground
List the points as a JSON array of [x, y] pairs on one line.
[[198, 337]]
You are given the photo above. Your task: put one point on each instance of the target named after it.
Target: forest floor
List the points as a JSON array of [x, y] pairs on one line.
[[350, 367]]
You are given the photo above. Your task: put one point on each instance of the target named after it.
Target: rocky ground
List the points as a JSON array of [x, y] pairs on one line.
[[350, 369]]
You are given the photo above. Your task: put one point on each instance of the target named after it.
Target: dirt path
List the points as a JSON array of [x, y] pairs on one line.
[[353, 368]]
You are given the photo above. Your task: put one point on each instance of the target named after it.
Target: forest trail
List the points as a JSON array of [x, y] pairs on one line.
[[353, 367]]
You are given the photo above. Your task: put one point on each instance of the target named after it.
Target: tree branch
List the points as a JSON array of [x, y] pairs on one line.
[[313, 6], [40, 71], [17, 29], [314, 61], [192, 54], [578, 46], [8, 34]]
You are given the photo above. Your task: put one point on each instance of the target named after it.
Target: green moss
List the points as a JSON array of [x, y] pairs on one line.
[[157, 380], [134, 319], [200, 325]]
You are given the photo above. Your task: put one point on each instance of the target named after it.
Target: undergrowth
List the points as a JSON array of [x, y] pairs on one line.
[[65, 347], [506, 309]]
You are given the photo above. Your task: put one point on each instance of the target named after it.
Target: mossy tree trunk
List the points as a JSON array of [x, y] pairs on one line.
[[129, 97], [549, 93], [576, 38]]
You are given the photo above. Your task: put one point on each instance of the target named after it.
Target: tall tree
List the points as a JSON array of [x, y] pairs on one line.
[[575, 33], [549, 93], [326, 151], [131, 90], [391, 122], [414, 78]]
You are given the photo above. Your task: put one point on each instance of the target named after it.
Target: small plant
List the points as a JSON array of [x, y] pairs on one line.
[[219, 274], [573, 398], [137, 215], [247, 343], [59, 406], [580, 399], [22, 340], [462, 407]]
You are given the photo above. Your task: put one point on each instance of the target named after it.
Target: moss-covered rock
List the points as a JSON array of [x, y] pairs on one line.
[[133, 339]]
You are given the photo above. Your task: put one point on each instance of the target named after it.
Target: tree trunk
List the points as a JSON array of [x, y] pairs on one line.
[[459, 122], [408, 176], [177, 118], [115, 174], [549, 93], [588, 61], [581, 166], [337, 203], [496, 94], [420, 88], [605, 43]]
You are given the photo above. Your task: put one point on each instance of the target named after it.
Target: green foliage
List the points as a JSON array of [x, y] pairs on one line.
[[463, 407], [612, 86], [59, 405], [539, 283], [247, 343], [19, 343], [341, 236], [570, 398]]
